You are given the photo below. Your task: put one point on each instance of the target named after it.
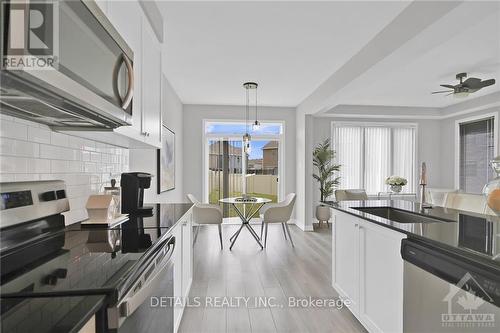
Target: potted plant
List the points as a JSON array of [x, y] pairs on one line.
[[396, 183], [323, 160]]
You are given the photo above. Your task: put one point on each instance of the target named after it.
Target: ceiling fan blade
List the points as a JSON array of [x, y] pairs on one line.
[[472, 83], [450, 94], [447, 86], [487, 83], [442, 91]]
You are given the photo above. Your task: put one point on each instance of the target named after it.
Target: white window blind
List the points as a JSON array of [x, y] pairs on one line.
[[370, 154], [477, 147]]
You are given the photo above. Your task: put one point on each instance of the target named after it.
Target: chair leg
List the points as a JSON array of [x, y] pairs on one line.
[[265, 236], [196, 233], [289, 235], [261, 229], [327, 223], [220, 236], [284, 232]]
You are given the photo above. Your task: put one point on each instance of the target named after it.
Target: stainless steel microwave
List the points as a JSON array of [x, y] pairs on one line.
[[89, 82]]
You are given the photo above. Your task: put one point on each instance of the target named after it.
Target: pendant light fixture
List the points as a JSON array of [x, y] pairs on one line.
[[247, 138]]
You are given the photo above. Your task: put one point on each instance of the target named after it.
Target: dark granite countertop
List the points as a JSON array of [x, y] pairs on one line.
[[91, 258], [471, 234], [49, 314]]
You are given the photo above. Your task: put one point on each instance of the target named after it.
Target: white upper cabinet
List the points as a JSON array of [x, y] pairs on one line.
[[132, 24], [151, 84], [127, 19]]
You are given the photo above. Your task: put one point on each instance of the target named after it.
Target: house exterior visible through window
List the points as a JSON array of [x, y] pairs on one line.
[[477, 148], [369, 153]]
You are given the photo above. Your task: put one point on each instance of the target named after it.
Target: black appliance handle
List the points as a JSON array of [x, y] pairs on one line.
[[451, 266]]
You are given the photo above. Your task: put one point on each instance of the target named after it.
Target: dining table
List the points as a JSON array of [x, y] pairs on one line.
[[246, 208]]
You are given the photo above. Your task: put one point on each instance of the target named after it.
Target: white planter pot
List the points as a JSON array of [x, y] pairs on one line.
[[323, 213]]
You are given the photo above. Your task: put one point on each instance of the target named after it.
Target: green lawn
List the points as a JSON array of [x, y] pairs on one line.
[[214, 199]]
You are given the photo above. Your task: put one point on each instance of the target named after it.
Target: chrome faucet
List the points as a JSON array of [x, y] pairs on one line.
[[423, 184]]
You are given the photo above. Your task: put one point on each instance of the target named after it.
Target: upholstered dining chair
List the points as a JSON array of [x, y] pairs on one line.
[[206, 214], [277, 213], [345, 195], [469, 202]]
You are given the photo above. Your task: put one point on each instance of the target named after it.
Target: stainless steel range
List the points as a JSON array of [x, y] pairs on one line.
[[51, 273]]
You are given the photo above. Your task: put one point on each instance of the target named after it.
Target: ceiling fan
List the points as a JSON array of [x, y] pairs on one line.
[[466, 87]]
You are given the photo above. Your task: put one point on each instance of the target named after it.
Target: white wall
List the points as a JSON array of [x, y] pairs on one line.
[[31, 151], [146, 159], [193, 140]]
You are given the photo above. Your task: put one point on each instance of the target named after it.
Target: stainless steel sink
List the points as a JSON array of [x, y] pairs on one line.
[[399, 215]]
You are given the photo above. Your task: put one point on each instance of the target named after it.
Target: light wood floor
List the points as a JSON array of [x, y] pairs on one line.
[[279, 271]]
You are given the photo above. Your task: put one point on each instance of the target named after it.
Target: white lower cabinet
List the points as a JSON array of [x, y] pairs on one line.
[[367, 269], [183, 264]]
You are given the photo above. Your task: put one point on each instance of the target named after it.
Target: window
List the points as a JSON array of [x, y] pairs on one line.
[[369, 153], [477, 148]]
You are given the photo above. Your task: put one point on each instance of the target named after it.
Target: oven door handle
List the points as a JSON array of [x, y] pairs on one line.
[[146, 284]]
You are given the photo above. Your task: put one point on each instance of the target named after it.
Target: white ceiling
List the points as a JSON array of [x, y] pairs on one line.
[[474, 48], [289, 48]]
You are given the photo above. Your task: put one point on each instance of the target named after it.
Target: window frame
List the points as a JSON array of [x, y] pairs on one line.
[[391, 125], [473, 119], [231, 136]]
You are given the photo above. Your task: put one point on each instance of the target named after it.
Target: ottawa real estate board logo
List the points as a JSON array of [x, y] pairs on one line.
[[467, 302], [29, 31]]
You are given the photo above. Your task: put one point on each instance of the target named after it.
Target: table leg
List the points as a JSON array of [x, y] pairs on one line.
[[236, 236], [245, 222], [252, 232]]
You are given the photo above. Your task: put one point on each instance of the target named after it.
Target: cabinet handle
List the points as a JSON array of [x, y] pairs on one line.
[[356, 225]]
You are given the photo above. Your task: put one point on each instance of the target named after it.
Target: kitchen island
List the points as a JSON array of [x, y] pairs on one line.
[[368, 247]]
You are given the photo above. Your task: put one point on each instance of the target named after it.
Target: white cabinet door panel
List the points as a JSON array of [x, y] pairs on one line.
[[126, 17], [151, 84], [381, 278], [346, 262], [187, 255], [177, 257]]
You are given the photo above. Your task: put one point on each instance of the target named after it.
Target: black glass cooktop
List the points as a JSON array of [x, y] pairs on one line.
[[84, 260]]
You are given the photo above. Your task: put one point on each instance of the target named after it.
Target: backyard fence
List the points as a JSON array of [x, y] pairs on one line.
[[264, 184]]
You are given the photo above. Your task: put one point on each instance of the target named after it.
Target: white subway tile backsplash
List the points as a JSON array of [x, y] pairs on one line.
[[30, 151], [24, 177], [59, 139], [95, 157], [10, 129], [38, 166], [58, 166], [58, 153], [12, 164], [37, 134], [10, 147]]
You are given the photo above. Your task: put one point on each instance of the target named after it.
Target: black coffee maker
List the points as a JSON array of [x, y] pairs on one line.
[[133, 185]]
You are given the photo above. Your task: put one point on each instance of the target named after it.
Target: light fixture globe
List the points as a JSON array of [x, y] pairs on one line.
[[256, 125]]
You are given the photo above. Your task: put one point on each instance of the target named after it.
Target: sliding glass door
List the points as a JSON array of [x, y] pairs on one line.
[[262, 169], [225, 168], [230, 171]]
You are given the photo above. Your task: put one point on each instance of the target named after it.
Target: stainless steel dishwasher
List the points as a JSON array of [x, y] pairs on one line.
[[446, 291]]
